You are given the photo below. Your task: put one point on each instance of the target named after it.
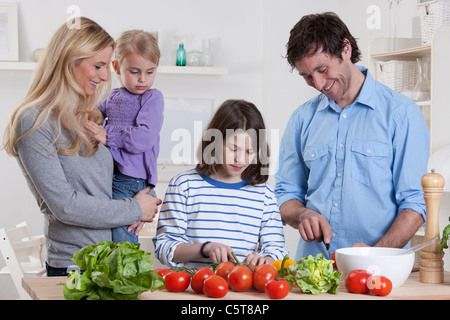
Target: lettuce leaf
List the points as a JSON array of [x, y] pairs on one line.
[[445, 235], [112, 272], [314, 275]]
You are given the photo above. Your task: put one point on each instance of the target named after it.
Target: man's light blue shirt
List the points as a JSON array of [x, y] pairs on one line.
[[359, 167]]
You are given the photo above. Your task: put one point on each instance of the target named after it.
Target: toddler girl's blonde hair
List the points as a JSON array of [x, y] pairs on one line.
[[137, 41]]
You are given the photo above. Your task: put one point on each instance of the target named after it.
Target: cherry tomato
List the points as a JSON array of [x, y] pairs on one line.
[[162, 272], [356, 281], [263, 273], [333, 257], [277, 288], [379, 285], [224, 269], [177, 281], [215, 286], [199, 277], [240, 278]]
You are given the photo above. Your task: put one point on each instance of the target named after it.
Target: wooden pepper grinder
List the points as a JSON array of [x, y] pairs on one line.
[[431, 262]]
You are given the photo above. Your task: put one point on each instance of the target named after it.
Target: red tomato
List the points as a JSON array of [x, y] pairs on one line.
[[240, 278], [199, 277], [224, 269], [162, 272], [215, 286], [356, 281], [252, 267], [379, 285], [277, 288], [263, 273], [333, 257], [177, 281]]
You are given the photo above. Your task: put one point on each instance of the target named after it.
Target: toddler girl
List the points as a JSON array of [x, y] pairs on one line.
[[133, 120]]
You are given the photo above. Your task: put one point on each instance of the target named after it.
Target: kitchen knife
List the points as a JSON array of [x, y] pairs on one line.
[[327, 246]]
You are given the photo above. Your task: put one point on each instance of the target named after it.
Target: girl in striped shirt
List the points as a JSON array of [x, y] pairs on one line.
[[225, 203]]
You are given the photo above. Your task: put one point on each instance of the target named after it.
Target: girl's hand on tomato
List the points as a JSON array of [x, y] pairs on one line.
[[257, 260], [277, 288], [215, 286], [177, 281], [218, 252]]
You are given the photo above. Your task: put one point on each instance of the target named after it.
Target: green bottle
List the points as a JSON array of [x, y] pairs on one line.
[[181, 55]]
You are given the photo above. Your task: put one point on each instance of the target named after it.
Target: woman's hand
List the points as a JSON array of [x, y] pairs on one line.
[[148, 203], [138, 225], [149, 207], [97, 132]]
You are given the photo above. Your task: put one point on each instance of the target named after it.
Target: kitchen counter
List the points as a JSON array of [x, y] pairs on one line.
[[50, 288]]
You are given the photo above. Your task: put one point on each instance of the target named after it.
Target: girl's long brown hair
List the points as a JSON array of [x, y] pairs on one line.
[[234, 115]]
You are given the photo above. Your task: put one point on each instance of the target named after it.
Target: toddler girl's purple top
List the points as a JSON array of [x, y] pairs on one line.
[[133, 123]]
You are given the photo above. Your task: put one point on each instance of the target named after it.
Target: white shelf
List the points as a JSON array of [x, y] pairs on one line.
[[401, 48], [192, 70], [423, 103], [403, 54], [161, 69]]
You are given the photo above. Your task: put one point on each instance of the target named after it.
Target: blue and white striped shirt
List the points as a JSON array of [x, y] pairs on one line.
[[197, 209]]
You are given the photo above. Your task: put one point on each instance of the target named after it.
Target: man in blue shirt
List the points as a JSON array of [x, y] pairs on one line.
[[351, 159]]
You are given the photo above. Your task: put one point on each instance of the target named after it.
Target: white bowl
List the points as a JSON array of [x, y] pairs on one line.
[[388, 262]]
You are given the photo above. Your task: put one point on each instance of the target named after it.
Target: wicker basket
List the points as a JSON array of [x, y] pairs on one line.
[[399, 75], [433, 14]]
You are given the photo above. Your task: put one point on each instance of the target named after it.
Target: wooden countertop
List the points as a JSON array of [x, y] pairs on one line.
[[50, 288]]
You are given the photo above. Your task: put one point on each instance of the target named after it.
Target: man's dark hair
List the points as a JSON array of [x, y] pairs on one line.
[[315, 32]]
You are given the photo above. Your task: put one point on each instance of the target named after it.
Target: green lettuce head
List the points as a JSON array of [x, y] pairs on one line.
[[112, 272], [314, 275]]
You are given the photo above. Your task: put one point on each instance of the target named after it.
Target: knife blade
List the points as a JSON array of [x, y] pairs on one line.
[[327, 246]]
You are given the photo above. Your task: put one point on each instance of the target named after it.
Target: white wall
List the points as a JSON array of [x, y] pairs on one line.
[[236, 43], [248, 37]]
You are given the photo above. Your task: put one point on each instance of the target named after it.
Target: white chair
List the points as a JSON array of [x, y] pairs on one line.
[[22, 254]]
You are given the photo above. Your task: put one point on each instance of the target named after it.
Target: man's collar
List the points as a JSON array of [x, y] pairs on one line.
[[364, 97]]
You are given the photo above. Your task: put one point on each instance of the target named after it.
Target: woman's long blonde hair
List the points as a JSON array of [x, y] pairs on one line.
[[55, 91]]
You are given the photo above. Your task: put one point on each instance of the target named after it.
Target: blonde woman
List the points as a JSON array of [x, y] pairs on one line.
[[134, 114], [68, 172]]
